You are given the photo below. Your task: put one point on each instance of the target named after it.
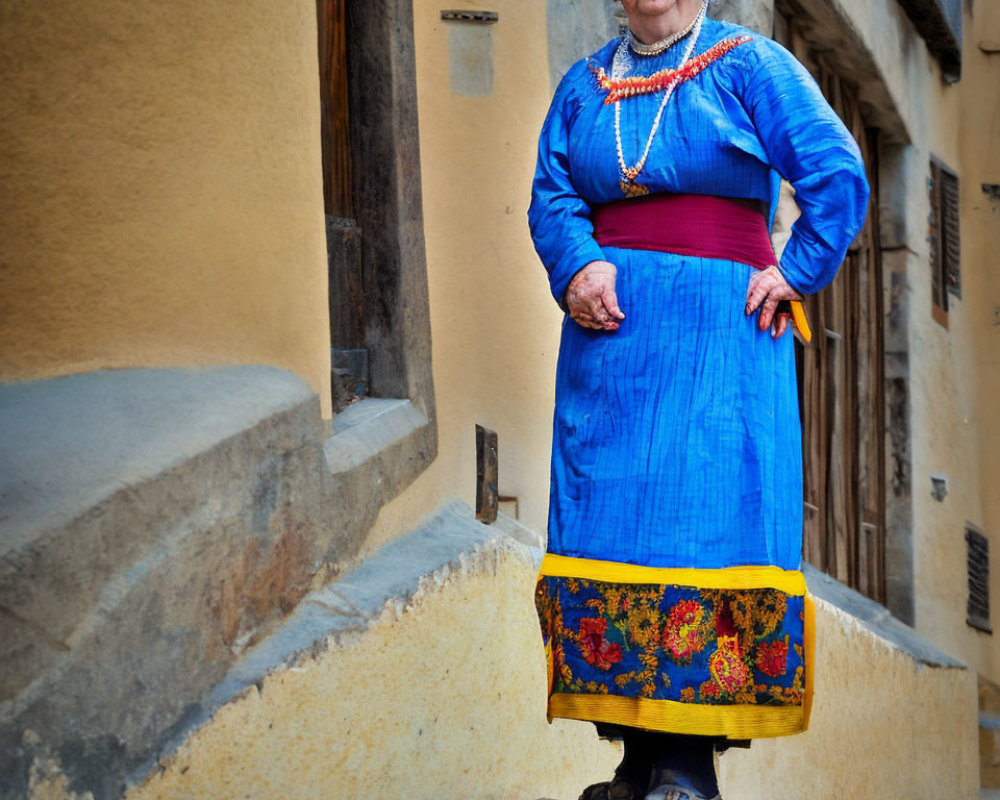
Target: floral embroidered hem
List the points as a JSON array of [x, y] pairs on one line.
[[725, 656]]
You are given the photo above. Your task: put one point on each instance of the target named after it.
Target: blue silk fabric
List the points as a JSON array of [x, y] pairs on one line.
[[676, 438]]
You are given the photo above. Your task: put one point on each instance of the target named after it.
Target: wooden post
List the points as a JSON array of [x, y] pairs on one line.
[[487, 466], [333, 104]]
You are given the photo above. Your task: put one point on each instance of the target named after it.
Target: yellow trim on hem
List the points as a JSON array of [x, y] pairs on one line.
[[733, 722], [790, 582]]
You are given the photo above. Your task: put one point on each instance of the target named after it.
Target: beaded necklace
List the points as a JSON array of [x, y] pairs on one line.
[[656, 48], [621, 64]]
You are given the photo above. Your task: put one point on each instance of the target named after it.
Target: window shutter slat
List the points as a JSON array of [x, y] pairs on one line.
[[978, 566], [950, 233]]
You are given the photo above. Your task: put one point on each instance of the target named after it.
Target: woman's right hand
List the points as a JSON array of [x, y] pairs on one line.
[[591, 298], [766, 290]]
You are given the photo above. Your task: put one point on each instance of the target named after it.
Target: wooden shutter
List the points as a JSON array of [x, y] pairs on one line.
[[349, 376], [334, 124], [978, 563], [944, 239], [841, 381]]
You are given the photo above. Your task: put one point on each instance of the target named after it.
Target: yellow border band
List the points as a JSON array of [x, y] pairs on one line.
[[791, 582], [733, 722]]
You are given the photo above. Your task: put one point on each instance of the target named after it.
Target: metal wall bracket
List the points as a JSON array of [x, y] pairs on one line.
[[487, 468], [939, 486], [482, 17]]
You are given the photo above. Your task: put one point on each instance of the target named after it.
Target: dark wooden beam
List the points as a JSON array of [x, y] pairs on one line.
[[939, 22]]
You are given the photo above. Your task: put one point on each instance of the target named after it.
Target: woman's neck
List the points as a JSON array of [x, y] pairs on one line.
[[651, 28]]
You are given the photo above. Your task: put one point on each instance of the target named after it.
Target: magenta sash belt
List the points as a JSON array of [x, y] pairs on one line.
[[689, 225]]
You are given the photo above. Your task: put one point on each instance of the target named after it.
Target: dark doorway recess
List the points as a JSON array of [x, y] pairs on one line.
[[379, 318]]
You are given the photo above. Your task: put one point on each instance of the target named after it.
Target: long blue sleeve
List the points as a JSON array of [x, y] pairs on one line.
[[558, 217], [809, 146]]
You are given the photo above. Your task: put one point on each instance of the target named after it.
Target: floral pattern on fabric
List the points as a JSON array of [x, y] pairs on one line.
[[690, 645]]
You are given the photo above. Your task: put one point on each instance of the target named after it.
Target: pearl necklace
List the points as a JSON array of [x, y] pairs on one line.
[[656, 48], [628, 183]]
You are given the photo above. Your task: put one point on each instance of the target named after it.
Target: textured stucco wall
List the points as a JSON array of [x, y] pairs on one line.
[[950, 420], [882, 726], [162, 200], [980, 147], [494, 325], [410, 710], [443, 700]]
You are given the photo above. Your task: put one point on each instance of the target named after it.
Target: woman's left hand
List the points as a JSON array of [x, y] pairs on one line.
[[767, 288]]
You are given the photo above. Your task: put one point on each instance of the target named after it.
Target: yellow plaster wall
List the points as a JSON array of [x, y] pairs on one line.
[[495, 327], [980, 146], [162, 189], [954, 416], [950, 422], [882, 726], [409, 710]]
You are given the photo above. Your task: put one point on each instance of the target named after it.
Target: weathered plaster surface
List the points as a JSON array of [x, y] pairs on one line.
[[940, 379], [954, 419], [753, 14], [980, 148], [496, 329], [577, 28], [156, 523], [391, 703], [72, 442], [883, 725], [470, 53], [162, 199], [426, 680]]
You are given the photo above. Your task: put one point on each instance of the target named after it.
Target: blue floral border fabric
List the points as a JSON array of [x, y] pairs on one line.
[[680, 643]]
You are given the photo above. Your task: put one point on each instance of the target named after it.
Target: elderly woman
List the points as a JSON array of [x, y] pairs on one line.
[[671, 601]]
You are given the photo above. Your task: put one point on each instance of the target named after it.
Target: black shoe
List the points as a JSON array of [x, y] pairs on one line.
[[675, 787], [617, 789]]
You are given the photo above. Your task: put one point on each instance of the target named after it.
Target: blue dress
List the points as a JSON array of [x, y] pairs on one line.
[[670, 596]]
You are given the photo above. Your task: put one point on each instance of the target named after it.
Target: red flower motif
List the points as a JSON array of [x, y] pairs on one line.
[[709, 689], [686, 612], [727, 666], [595, 649], [683, 633], [772, 659]]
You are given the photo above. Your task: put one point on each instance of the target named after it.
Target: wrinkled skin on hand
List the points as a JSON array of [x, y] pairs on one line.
[[592, 302], [766, 289], [591, 298]]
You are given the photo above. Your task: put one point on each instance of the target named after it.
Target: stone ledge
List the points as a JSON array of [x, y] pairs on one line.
[[449, 542], [364, 429], [877, 618], [155, 524], [94, 464], [70, 443], [432, 686]]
